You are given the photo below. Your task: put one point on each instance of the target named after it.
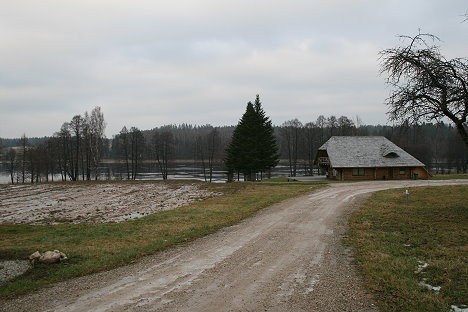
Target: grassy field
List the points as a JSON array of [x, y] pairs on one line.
[[391, 237], [93, 248]]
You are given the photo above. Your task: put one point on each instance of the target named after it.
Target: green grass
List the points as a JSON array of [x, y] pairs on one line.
[[449, 176], [390, 236], [94, 248], [278, 179]]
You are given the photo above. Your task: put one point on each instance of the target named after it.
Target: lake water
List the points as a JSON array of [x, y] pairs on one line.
[[179, 171]]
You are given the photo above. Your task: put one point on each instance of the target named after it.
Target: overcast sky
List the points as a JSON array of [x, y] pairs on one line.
[[151, 63]]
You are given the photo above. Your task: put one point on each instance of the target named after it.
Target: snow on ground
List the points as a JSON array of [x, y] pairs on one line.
[[92, 203]]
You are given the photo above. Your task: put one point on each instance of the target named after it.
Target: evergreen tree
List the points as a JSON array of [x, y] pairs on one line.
[[253, 146], [266, 141]]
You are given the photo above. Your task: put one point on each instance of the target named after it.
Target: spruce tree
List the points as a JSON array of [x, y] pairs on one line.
[[253, 146]]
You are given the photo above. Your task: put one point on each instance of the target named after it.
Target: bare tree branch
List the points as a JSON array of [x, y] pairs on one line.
[[425, 84]]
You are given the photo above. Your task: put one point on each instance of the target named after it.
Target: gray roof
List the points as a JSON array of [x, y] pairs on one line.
[[368, 152]]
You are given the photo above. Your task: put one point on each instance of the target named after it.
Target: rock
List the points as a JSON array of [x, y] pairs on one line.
[[34, 256], [48, 256], [53, 256], [62, 255]]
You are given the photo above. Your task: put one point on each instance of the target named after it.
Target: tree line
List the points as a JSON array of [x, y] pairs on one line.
[[75, 152], [79, 151]]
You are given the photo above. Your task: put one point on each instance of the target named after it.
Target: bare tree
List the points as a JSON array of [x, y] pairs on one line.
[[12, 166], [124, 148], [426, 86], [312, 143], [86, 147], [63, 146], [200, 153], [320, 123], [213, 144], [24, 150], [76, 127], [137, 145], [52, 157], [291, 134], [97, 136], [345, 126], [163, 148], [332, 124]]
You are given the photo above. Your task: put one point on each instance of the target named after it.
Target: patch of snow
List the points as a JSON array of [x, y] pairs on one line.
[[430, 287], [315, 279], [130, 216], [421, 266], [455, 308]]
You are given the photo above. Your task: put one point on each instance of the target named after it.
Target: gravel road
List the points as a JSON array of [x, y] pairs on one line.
[[288, 257]]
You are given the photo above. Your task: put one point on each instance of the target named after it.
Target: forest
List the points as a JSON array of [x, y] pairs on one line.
[[80, 151]]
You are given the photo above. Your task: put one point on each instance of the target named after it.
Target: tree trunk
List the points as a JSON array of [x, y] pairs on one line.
[[462, 131]]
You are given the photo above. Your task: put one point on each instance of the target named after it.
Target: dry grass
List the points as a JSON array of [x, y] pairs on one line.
[[391, 237]]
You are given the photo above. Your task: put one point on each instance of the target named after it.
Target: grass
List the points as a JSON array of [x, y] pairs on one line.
[[390, 236], [98, 247], [449, 176]]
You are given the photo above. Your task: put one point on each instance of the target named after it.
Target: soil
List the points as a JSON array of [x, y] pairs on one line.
[[92, 202], [288, 257]]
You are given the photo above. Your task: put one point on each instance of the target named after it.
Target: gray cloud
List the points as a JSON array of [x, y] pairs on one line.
[[149, 63]]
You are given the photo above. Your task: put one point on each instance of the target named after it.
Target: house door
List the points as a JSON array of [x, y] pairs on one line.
[[390, 173]]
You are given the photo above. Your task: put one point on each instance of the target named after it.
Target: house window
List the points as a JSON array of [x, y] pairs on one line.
[[358, 171], [402, 171]]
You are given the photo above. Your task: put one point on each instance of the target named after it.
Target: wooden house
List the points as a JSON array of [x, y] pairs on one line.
[[367, 158]]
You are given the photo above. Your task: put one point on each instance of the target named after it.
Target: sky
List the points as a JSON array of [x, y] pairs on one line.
[[149, 63]]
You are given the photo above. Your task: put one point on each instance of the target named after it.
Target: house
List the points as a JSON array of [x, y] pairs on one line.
[[367, 158]]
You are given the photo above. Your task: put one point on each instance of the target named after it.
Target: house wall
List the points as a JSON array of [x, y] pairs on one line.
[[421, 172], [345, 174]]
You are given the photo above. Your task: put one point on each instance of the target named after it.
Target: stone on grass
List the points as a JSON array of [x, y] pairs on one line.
[[48, 256]]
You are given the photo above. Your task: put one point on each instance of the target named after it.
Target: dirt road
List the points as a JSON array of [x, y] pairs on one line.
[[286, 258]]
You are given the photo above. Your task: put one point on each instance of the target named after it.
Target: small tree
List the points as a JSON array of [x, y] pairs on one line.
[[425, 84]]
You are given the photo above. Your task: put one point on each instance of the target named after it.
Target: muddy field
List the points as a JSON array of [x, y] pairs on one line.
[[93, 202]]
